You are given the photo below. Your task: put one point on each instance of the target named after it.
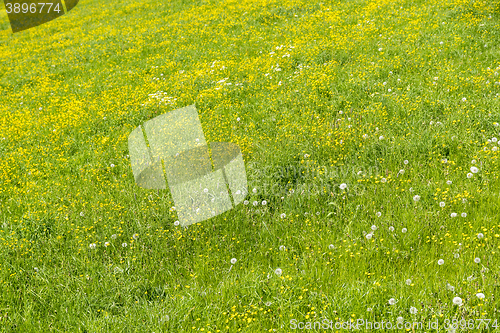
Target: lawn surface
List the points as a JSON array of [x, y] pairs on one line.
[[369, 133]]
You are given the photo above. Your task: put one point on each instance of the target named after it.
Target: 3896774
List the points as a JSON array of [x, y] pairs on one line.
[[33, 7]]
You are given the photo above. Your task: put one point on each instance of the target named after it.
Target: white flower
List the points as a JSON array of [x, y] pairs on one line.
[[384, 83], [282, 248], [464, 214], [255, 203], [381, 137], [449, 182], [413, 310], [494, 148], [331, 246], [233, 261], [176, 223], [480, 295], [368, 236], [383, 180], [245, 202], [112, 165], [81, 214], [380, 49], [124, 244], [389, 90], [106, 244], [343, 186], [456, 255], [379, 214], [408, 282], [405, 161], [469, 175], [493, 139], [416, 198], [404, 230], [453, 214], [464, 99], [392, 301], [480, 235], [92, 246], [391, 228], [205, 190], [238, 119], [283, 215], [135, 236], [36, 269], [457, 301], [474, 169], [374, 227], [278, 271], [399, 320], [440, 262], [477, 260], [254, 190], [442, 204], [113, 236]]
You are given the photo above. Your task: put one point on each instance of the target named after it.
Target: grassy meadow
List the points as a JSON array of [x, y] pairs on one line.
[[369, 130]]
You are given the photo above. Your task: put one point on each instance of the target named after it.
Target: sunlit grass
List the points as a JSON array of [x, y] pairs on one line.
[[396, 100]]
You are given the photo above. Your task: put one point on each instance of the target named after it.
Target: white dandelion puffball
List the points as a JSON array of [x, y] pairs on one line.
[[469, 175], [124, 244], [392, 301], [405, 162], [399, 320], [113, 236], [283, 215], [473, 169], [416, 198], [391, 228], [453, 214], [135, 236], [254, 190], [176, 223], [255, 203], [264, 202], [245, 202], [442, 204], [343, 186], [379, 214], [480, 295], [480, 235], [408, 282], [464, 214], [456, 255], [383, 180], [401, 171], [278, 271], [440, 262], [368, 236], [282, 248], [404, 230], [477, 260], [449, 182], [233, 261], [92, 246], [81, 214], [413, 310], [374, 227], [381, 137], [331, 246], [457, 301], [112, 165]]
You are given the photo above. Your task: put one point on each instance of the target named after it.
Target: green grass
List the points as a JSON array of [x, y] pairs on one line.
[[73, 89]]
